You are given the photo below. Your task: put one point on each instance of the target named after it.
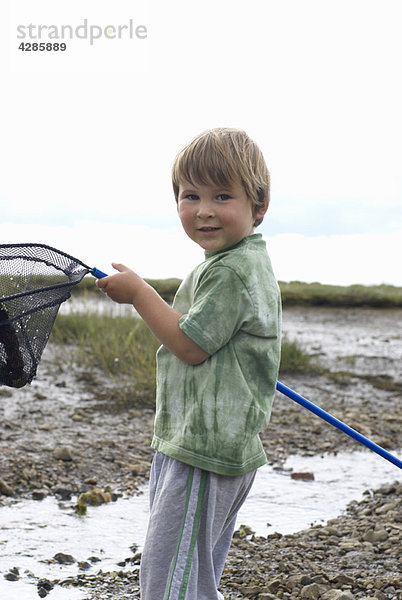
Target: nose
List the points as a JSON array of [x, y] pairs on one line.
[[205, 209]]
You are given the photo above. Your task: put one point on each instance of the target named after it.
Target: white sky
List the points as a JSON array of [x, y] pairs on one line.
[[87, 137]]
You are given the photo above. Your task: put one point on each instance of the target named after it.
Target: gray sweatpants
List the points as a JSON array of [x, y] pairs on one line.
[[192, 519]]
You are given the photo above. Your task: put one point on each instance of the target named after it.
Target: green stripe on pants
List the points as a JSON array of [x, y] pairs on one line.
[[181, 566]]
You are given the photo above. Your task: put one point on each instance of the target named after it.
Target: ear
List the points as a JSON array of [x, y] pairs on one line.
[[259, 213]]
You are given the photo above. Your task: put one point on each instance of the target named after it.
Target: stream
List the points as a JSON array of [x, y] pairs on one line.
[[32, 532]]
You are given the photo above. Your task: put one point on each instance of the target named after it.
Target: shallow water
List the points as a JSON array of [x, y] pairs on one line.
[[32, 532], [22, 590], [278, 503]]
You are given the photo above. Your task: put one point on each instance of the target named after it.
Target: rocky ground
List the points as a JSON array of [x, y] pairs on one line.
[[63, 436]]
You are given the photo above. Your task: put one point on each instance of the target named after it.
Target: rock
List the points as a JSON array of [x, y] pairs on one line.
[[91, 481], [328, 531], [93, 498], [63, 453], [342, 579], [311, 591], [273, 585], [302, 476], [5, 489], [45, 583], [29, 473], [96, 497], [299, 580], [13, 574], [243, 531], [64, 559], [385, 508], [349, 545], [337, 595], [249, 591], [39, 494], [380, 595], [375, 535], [44, 587], [63, 493]]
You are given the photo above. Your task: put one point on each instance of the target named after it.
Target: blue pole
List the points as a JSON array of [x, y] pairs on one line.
[[336, 423], [97, 273]]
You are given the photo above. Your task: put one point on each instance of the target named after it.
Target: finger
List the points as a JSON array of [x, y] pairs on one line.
[[101, 283], [119, 267]]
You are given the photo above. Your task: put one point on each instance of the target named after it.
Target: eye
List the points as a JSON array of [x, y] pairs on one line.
[[192, 197], [223, 197]]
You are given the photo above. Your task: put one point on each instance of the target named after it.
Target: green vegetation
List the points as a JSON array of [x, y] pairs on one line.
[[297, 293], [120, 347], [123, 349], [294, 359], [317, 294]]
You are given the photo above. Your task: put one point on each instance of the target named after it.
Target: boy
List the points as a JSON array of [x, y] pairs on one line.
[[216, 369]]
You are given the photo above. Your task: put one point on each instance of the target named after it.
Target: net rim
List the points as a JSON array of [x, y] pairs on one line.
[[47, 247]]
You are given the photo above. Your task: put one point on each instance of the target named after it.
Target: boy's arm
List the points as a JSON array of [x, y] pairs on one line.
[[126, 287]]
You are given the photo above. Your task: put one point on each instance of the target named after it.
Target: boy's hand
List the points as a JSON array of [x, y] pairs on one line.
[[126, 287], [121, 287]]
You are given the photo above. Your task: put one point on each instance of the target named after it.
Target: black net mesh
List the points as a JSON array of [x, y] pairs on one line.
[[34, 280]]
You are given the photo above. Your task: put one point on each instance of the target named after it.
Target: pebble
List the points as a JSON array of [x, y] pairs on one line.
[[64, 559], [39, 494], [302, 476], [44, 586], [5, 489], [375, 535], [13, 574], [311, 591], [63, 453]]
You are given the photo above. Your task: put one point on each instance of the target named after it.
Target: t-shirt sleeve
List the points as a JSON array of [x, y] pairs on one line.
[[221, 305]]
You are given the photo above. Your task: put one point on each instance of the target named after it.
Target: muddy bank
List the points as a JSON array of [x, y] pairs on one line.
[[63, 435]]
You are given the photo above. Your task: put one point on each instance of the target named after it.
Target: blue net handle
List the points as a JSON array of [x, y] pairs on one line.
[[97, 273]]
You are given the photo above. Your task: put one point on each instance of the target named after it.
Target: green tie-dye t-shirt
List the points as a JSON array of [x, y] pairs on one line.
[[209, 415]]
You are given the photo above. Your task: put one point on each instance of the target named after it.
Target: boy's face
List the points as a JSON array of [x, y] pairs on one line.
[[215, 218]]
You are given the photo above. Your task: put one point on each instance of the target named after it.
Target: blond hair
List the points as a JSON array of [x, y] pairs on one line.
[[224, 156]]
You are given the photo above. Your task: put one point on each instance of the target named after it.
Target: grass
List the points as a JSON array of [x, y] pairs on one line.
[[123, 349], [295, 359], [297, 293], [318, 294]]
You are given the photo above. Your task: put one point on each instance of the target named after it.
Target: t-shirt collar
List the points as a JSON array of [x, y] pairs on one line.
[[252, 237]]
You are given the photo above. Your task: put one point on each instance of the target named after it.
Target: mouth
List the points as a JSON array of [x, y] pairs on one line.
[[208, 229]]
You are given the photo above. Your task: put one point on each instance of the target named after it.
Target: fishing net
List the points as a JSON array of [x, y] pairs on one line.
[[34, 280]]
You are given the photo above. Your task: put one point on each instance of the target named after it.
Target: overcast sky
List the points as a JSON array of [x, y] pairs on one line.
[[88, 135]]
